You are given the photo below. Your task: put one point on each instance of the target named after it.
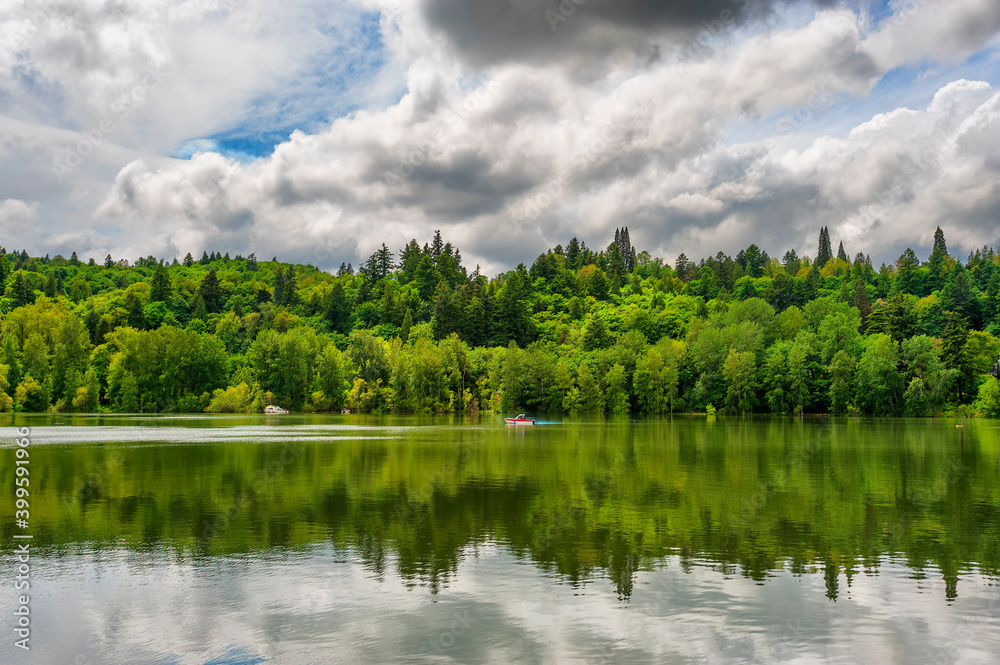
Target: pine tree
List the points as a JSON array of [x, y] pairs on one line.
[[211, 291], [108, 261], [409, 259], [825, 252], [22, 292], [937, 262], [791, 263], [842, 255], [160, 288], [573, 255], [188, 260], [906, 271], [683, 268], [437, 246], [252, 262]]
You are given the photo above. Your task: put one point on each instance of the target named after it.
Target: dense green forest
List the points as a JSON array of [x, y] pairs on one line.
[[579, 332]]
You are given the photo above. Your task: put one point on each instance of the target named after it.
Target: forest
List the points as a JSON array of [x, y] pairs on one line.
[[580, 332]]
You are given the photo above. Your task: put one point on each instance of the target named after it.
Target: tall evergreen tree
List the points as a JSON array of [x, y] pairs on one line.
[[842, 255], [791, 263], [825, 250], [937, 262], [906, 271], [22, 291], [683, 268], [409, 259], [573, 255], [160, 288], [211, 291], [437, 246]]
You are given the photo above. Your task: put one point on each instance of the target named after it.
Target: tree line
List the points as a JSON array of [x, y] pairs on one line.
[[581, 331]]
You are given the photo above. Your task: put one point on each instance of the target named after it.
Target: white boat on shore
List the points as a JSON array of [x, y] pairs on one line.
[[272, 410]]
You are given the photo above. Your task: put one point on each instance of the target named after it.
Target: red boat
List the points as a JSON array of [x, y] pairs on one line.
[[520, 420]]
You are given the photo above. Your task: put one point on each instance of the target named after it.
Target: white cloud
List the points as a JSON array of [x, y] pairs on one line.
[[531, 151], [17, 219]]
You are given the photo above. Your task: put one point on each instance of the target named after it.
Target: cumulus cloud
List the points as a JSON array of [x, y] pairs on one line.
[[17, 219], [510, 134]]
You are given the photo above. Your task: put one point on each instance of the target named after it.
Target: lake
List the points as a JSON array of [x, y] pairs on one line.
[[349, 539]]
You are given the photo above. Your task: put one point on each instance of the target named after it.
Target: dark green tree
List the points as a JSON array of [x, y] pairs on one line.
[[22, 291], [906, 271], [825, 251], [159, 290], [210, 291], [937, 262], [842, 255]]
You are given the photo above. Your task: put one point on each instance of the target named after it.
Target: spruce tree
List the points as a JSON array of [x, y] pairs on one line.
[[825, 252], [22, 292], [211, 291], [188, 260], [573, 255], [937, 262], [160, 288], [842, 255]]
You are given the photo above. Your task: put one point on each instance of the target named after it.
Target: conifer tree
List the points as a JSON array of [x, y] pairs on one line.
[[160, 288], [937, 262], [825, 252], [211, 291]]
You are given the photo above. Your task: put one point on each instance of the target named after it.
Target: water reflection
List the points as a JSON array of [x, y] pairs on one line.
[[761, 540]]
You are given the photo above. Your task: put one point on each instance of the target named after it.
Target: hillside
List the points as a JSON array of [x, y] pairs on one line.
[[582, 331]]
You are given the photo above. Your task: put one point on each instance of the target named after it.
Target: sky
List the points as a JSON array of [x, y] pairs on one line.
[[316, 131]]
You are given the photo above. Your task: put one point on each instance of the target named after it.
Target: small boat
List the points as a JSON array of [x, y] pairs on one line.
[[272, 410], [520, 420]]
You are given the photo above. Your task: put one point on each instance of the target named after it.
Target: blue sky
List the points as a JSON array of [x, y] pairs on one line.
[[329, 84], [400, 118]]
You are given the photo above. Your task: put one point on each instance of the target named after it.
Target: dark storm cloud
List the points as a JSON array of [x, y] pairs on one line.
[[487, 32]]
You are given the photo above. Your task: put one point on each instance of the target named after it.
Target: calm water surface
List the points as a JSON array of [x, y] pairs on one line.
[[238, 540]]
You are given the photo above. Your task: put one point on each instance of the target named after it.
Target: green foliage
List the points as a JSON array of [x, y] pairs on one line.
[[582, 331], [234, 399]]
